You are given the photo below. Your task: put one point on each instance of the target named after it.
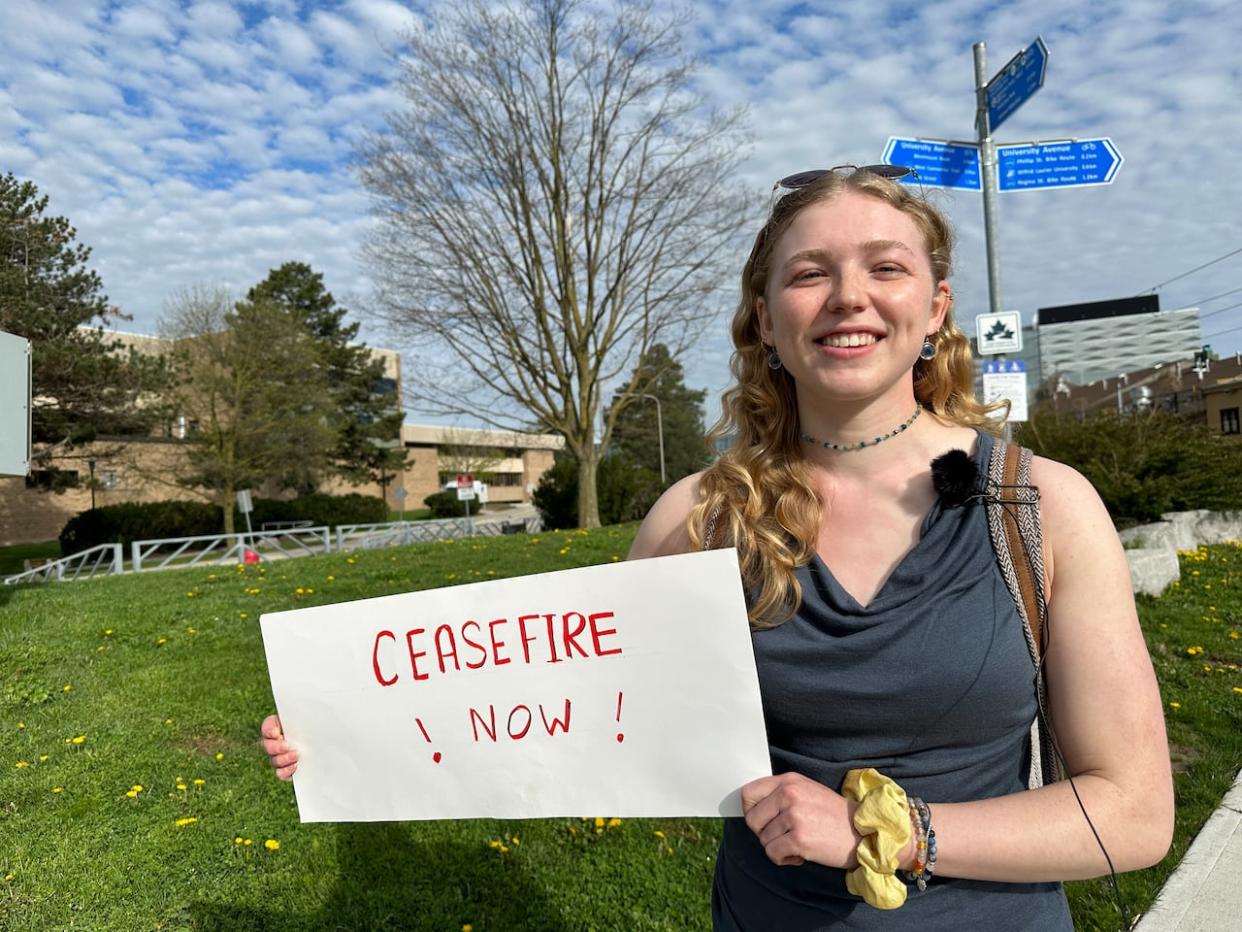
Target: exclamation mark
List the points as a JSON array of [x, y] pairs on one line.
[[620, 735], [419, 722]]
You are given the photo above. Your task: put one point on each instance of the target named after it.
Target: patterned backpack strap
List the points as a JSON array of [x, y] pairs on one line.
[[709, 531], [1017, 539]]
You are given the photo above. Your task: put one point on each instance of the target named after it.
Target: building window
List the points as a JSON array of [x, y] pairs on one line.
[[1229, 420], [53, 479]]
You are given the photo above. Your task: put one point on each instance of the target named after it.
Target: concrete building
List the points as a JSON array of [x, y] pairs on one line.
[[1086, 342], [112, 470]]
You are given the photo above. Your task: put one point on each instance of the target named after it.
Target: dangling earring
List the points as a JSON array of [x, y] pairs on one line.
[[929, 350], [774, 359]]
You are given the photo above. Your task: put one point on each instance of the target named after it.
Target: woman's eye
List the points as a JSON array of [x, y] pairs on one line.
[[806, 274]]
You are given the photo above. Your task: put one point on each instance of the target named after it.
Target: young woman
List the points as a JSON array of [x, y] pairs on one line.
[[886, 640], [884, 633]]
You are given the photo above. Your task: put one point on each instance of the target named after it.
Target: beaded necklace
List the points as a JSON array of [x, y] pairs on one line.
[[847, 447]]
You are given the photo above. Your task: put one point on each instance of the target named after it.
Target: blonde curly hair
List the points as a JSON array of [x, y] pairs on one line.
[[758, 496]]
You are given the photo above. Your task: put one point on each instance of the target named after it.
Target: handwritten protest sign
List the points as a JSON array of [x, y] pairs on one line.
[[627, 689]]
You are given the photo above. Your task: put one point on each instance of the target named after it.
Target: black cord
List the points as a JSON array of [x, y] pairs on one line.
[[1044, 714]]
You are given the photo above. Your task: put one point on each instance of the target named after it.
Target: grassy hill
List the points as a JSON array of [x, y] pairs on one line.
[[133, 794]]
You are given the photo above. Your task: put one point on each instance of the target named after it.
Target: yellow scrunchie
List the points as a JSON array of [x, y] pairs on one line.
[[883, 820]]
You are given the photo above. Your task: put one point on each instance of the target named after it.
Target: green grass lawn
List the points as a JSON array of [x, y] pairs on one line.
[[13, 559], [158, 681]]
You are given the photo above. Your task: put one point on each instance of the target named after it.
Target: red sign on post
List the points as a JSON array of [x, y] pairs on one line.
[[465, 480]]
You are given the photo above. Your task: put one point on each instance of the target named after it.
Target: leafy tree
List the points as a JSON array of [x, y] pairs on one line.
[[1142, 464], [636, 436], [251, 389], [366, 413], [553, 201], [84, 383]]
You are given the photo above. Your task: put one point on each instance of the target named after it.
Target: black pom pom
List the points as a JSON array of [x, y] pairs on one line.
[[955, 476]]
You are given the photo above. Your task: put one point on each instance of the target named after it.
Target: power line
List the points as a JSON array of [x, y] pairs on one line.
[[1203, 317], [1198, 268], [1223, 294], [1219, 333]]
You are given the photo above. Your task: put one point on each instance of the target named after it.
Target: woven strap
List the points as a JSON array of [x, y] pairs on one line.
[[1013, 521]]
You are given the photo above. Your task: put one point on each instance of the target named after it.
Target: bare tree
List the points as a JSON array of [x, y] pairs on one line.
[[553, 200]]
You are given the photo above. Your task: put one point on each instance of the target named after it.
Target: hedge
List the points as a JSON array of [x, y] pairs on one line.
[[131, 521]]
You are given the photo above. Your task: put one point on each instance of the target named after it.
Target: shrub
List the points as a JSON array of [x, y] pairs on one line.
[[132, 521], [446, 505], [1143, 465], [626, 491], [318, 509]]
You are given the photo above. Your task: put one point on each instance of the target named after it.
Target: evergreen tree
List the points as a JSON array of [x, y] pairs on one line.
[[84, 383], [366, 413], [636, 434]]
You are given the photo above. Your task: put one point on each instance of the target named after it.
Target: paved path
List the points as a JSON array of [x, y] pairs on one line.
[[1205, 892]]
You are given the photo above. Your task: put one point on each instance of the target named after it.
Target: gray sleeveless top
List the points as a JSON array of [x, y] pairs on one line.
[[931, 684]]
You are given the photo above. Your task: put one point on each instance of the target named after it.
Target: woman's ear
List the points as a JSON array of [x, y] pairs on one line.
[[765, 321], [941, 302]]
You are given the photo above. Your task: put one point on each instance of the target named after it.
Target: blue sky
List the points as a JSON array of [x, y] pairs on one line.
[[205, 143]]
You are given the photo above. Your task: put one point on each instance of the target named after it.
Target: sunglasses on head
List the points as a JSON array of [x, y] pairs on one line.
[[802, 179]]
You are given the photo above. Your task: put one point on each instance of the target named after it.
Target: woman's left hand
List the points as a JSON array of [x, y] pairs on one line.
[[797, 819]]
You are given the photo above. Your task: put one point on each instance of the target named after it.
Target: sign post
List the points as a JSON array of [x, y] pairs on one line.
[[245, 506], [465, 489], [399, 494]]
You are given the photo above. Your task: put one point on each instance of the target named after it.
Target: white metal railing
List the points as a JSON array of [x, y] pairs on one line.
[[212, 549], [101, 560], [227, 548]]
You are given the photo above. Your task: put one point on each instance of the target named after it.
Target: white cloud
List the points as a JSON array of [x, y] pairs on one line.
[[187, 146]]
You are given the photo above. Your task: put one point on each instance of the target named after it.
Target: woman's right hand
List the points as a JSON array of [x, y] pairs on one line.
[[282, 756]]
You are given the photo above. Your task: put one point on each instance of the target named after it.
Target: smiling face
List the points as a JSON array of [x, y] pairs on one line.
[[850, 298]]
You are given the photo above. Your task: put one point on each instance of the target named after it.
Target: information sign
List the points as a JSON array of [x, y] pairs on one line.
[[1062, 164], [998, 333], [939, 164], [1014, 84], [1005, 380]]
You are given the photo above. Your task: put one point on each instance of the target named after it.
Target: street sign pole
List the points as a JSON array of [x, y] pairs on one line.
[[987, 169]]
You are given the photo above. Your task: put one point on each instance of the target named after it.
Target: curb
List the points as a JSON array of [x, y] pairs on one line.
[[1203, 893]]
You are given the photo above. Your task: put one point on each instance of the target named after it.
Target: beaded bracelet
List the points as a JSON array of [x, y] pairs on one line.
[[925, 858]]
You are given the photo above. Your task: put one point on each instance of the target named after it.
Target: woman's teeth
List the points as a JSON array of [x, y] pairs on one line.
[[849, 339]]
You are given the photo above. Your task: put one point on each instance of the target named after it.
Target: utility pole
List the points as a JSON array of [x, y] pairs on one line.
[[987, 166]]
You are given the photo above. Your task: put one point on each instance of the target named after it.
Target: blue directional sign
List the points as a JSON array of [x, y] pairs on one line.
[[1069, 164], [1013, 85], [939, 164]]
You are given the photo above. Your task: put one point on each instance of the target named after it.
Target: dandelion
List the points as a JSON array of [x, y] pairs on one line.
[[564, 550], [219, 755], [42, 757], [237, 839], [199, 781], [1194, 650], [168, 721], [78, 739], [614, 822], [1175, 705], [8, 877], [467, 928], [181, 786], [56, 789], [242, 615], [299, 590], [599, 822], [331, 579], [131, 793], [246, 842], [1233, 635], [67, 688], [21, 765], [659, 834], [350, 560], [189, 595], [107, 632], [21, 726], [272, 844], [188, 820]]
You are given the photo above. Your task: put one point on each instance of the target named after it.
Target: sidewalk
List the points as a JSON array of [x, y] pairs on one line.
[[1204, 893]]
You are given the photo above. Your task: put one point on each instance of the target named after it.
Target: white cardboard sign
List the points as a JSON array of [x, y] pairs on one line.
[[621, 690]]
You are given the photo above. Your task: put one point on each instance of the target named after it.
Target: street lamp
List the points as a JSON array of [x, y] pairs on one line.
[[660, 434]]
